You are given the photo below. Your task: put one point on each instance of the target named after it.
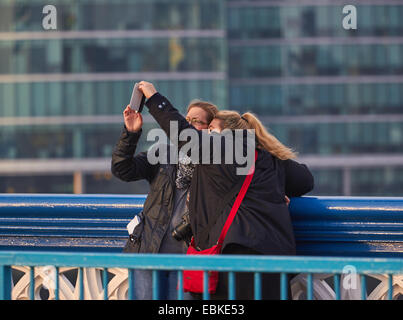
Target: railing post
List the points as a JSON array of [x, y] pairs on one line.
[[130, 293], [283, 286], [180, 285], [105, 283], [390, 286], [5, 282], [80, 280], [231, 286], [32, 283], [206, 293], [336, 279], [363, 287], [258, 285], [309, 289], [156, 284], [57, 289]]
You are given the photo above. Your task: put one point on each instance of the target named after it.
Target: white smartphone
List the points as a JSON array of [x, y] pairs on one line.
[[137, 99]]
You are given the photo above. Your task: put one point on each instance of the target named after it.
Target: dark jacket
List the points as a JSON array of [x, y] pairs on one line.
[[262, 222], [158, 206]]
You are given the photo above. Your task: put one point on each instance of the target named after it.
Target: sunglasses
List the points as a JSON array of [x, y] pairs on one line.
[[194, 121]]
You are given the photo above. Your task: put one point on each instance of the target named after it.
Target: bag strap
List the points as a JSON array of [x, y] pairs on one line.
[[203, 236], [237, 203]]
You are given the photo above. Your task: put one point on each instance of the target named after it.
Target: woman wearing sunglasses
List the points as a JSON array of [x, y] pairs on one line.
[[165, 205]]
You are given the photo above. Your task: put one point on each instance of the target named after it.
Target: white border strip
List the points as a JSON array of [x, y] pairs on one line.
[[111, 34], [111, 76], [132, 76], [53, 166], [316, 80], [317, 41], [147, 118], [67, 120], [68, 166], [299, 3]]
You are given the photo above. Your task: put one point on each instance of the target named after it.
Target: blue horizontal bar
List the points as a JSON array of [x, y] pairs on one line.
[[287, 264], [323, 225]]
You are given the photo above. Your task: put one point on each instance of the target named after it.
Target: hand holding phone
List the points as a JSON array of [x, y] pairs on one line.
[[147, 88], [133, 119]]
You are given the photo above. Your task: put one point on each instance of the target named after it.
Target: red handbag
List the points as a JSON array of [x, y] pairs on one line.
[[193, 279]]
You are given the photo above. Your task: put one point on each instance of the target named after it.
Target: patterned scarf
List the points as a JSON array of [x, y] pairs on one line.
[[185, 171]]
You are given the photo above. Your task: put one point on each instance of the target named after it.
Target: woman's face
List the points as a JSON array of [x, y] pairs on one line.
[[197, 117], [216, 125]]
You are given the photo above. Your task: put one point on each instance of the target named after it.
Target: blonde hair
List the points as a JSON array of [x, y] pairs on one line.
[[264, 139], [208, 107]]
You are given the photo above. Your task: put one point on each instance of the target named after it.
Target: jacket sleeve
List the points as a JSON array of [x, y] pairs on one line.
[[298, 179], [125, 165], [164, 112]]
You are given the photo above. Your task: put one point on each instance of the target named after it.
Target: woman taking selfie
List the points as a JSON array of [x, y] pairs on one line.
[[262, 224], [166, 202]]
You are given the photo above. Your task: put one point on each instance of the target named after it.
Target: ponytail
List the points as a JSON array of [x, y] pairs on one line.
[[264, 139]]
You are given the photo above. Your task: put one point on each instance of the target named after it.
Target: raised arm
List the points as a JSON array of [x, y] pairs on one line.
[[125, 165], [164, 112], [209, 144]]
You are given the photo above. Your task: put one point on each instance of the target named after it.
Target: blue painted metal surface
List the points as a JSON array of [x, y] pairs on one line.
[[66, 222], [283, 286], [256, 264], [287, 264], [258, 286], [348, 226], [32, 280], [336, 280], [325, 226], [5, 282]]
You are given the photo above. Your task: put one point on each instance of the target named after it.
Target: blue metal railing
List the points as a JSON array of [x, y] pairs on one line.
[[335, 228], [256, 264], [323, 226]]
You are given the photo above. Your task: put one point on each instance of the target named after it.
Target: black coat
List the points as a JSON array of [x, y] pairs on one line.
[[263, 221], [158, 207]]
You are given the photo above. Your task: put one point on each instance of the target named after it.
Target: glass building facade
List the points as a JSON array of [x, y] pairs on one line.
[[334, 95]]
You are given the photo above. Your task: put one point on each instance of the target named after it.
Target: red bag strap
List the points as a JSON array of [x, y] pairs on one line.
[[237, 202]]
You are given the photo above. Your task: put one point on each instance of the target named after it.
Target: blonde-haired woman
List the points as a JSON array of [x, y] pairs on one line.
[[262, 224], [227, 119], [297, 181]]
